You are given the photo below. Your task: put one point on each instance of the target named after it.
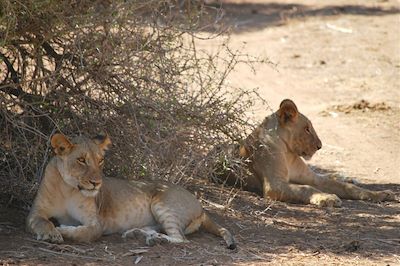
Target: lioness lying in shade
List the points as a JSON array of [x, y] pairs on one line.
[[87, 206], [272, 153]]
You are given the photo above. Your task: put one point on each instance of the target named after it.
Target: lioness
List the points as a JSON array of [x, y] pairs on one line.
[[87, 206], [272, 153]]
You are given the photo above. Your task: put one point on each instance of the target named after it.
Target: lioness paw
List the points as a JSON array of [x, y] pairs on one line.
[[385, 195], [152, 237], [325, 200], [53, 236]]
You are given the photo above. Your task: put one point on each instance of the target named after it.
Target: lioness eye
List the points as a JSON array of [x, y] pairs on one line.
[[307, 129], [101, 161], [81, 160]]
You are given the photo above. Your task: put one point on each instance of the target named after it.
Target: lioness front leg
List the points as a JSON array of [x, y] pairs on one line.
[[43, 229], [283, 191], [81, 233], [350, 191], [274, 175], [342, 189]]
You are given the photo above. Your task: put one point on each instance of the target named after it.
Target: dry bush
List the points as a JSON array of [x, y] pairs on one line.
[[128, 68]]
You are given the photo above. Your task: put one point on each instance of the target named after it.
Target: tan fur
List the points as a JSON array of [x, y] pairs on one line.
[[273, 154], [87, 206]]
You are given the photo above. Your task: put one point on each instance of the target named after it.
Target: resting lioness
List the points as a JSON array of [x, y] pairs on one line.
[[87, 206], [272, 153]]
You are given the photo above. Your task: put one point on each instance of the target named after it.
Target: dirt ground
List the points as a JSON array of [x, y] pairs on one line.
[[340, 62]]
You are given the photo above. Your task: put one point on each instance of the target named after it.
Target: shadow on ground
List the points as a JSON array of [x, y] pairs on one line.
[[358, 228], [244, 17]]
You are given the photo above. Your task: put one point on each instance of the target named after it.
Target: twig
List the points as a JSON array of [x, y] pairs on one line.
[[257, 256], [39, 241], [339, 29], [72, 255], [391, 241], [287, 224], [388, 242], [61, 246], [216, 205], [137, 251], [15, 254], [138, 259], [264, 211]]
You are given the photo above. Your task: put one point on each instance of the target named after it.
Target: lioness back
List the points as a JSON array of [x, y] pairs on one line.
[[138, 198], [74, 192]]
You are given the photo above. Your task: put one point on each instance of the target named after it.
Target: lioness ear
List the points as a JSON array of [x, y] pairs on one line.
[[60, 144], [287, 112], [103, 141]]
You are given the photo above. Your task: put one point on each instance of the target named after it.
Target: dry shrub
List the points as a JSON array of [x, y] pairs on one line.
[[128, 68]]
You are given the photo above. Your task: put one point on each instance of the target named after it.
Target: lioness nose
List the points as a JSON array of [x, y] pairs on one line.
[[319, 145], [95, 182]]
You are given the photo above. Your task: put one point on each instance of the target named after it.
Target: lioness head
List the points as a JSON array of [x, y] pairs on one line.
[[80, 161], [303, 139]]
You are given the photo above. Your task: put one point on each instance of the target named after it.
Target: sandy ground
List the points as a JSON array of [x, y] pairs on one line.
[[329, 56]]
